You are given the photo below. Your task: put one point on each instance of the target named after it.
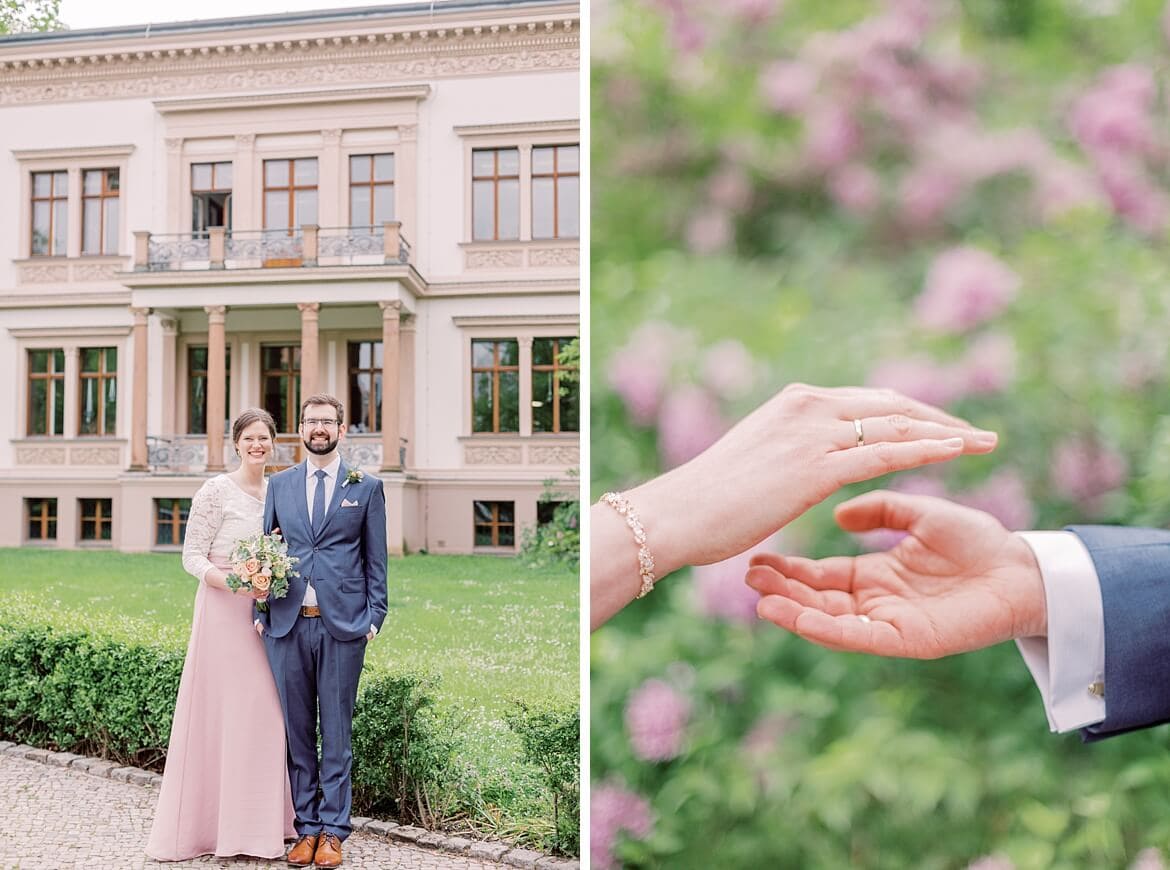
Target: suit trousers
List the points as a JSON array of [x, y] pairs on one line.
[[318, 675]]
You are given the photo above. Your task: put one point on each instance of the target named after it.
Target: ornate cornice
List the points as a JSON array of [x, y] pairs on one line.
[[123, 70]]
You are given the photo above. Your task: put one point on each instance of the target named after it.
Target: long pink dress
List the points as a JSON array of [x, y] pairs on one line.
[[225, 789]]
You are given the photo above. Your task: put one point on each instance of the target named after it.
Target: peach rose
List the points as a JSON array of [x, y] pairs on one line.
[[252, 566], [261, 582], [239, 570]]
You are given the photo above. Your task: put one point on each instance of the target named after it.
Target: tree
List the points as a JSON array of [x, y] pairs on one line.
[[22, 16]]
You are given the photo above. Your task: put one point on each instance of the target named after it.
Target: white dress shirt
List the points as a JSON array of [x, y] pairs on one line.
[[310, 599], [1072, 658]]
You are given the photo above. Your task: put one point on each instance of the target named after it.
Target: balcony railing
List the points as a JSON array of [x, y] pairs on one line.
[[308, 245], [188, 453]]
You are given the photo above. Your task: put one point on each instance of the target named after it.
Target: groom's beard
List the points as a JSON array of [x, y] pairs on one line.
[[321, 448]]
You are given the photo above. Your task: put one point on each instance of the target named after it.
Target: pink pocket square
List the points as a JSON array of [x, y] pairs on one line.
[[347, 503]]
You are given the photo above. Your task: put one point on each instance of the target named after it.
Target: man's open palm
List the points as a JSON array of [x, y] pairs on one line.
[[958, 581]]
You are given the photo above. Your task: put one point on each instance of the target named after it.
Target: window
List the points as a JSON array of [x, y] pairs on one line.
[[365, 386], [290, 193], [46, 392], [371, 189], [99, 391], [495, 385], [554, 396], [280, 383], [546, 511], [197, 387], [41, 518], [495, 194], [99, 209], [495, 524], [170, 520], [211, 196], [96, 518], [556, 192], [50, 213]]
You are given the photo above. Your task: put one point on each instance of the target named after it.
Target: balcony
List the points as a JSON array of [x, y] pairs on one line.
[[306, 246]]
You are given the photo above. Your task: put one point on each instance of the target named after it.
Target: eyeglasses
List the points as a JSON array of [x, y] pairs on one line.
[[313, 423]]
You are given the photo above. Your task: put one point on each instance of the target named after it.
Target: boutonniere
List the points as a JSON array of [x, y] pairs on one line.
[[354, 475]]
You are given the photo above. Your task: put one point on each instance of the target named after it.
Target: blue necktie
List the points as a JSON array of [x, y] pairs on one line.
[[319, 500]]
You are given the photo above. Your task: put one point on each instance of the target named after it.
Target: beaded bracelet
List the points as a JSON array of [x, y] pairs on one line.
[[622, 505]]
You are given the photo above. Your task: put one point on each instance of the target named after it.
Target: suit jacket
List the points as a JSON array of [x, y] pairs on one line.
[[345, 558], [1133, 566]]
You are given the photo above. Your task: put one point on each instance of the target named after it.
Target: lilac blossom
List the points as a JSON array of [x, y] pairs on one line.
[[709, 231], [965, 287], [788, 86], [989, 365], [728, 369], [992, 862], [638, 372], [614, 809], [1005, 496], [919, 377], [831, 137], [1148, 859], [656, 718], [1083, 469], [856, 189], [720, 591], [688, 423]]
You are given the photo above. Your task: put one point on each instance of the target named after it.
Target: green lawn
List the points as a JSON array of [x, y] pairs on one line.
[[492, 628]]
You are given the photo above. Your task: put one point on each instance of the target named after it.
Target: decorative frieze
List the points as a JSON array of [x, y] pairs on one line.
[[491, 454], [554, 256], [95, 456], [54, 273], [40, 455], [497, 258], [95, 271], [554, 454], [64, 272]]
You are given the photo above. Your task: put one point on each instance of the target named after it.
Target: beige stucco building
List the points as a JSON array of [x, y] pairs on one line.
[[379, 203]]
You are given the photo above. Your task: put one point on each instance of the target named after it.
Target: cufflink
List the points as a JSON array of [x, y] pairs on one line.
[[1097, 689]]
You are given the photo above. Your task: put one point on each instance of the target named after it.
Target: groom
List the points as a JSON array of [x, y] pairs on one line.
[[334, 520]]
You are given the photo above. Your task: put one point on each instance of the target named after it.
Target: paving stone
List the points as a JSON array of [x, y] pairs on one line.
[[459, 845], [432, 840], [409, 833], [491, 851], [525, 858], [43, 828], [359, 822], [36, 754], [551, 863], [141, 777], [96, 766], [16, 749], [5, 744], [61, 759], [382, 829], [122, 774]]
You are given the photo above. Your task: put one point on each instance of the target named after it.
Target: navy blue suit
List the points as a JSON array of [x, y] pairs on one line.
[[316, 661], [1133, 566]]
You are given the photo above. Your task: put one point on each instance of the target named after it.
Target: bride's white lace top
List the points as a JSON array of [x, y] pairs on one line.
[[221, 514]]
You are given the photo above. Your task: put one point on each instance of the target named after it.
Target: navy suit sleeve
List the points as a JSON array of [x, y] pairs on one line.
[[374, 554], [1133, 567], [270, 509]]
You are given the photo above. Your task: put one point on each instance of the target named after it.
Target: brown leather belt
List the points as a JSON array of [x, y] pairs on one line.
[[310, 611]]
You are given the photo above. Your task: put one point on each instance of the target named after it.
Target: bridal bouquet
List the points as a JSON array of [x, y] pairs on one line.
[[261, 563]]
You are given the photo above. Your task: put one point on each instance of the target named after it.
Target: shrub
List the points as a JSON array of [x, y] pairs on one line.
[[551, 740], [558, 540]]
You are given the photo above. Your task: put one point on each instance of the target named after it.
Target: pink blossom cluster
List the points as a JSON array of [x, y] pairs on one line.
[[992, 862], [1148, 859], [720, 592], [656, 718], [1083, 470], [965, 287], [988, 366], [1117, 125], [614, 809]]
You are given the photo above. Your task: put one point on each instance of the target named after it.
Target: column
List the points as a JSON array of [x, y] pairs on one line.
[[246, 206], [406, 387], [525, 385], [333, 206], [172, 389], [72, 397], [310, 312], [138, 452], [216, 400], [390, 387], [178, 183]]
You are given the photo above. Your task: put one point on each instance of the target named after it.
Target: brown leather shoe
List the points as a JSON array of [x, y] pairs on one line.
[[328, 851], [301, 854]]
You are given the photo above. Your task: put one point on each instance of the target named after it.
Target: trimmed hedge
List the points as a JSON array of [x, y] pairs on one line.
[[107, 688]]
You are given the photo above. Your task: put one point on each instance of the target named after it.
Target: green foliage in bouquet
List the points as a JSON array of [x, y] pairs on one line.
[[262, 563]]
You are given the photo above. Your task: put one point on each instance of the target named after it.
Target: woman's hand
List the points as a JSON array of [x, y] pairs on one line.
[[786, 456]]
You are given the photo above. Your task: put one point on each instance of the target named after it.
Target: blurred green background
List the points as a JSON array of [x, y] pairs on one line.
[[965, 201]]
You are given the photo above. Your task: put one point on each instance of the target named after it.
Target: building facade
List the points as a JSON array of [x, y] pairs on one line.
[[380, 203]]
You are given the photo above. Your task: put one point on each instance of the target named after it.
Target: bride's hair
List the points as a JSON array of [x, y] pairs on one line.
[[247, 418]]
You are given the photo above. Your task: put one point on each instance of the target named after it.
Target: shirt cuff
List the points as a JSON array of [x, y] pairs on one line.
[[374, 629], [1072, 658]]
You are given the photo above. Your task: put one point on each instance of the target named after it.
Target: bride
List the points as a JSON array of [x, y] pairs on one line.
[[225, 789]]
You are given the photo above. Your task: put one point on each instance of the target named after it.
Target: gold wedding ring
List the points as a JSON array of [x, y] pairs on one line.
[[860, 433]]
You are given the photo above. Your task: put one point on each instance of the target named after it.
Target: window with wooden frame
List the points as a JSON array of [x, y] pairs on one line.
[[365, 386], [211, 196], [554, 396], [371, 189], [170, 520], [290, 193], [546, 511], [50, 214], [46, 392], [556, 192], [98, 393], [100, 197], [495, 194], [495, 523], [495, 385], [197, 387], [40, 519], [97, 518], [280, 384]]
